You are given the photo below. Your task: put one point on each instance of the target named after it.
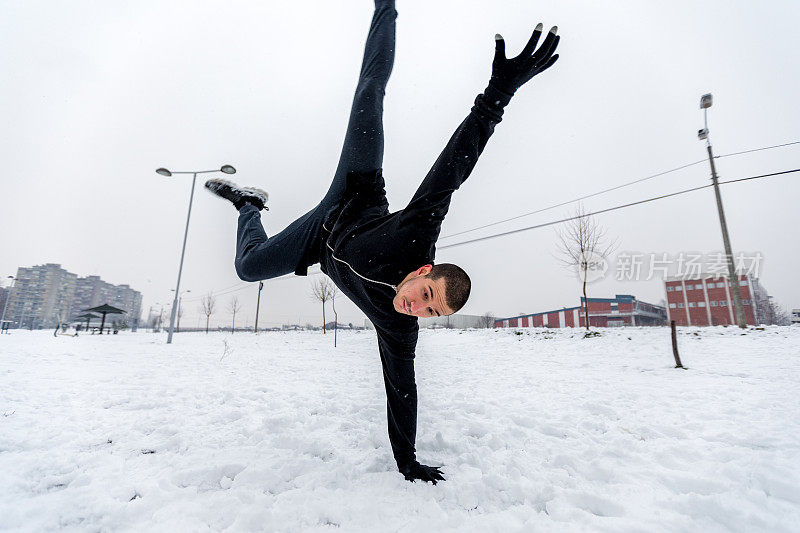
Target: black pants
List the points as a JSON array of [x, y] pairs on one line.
[[293, 249]]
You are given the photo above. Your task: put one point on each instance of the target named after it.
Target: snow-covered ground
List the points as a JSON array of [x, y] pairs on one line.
[[537, 430]]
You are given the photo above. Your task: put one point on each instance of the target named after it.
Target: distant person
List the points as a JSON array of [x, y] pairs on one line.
[[382, 261]]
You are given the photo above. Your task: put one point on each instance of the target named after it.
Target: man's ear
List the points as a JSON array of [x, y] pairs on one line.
[[424, 270]]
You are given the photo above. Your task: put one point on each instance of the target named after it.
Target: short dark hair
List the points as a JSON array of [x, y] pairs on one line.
[[457, 284]]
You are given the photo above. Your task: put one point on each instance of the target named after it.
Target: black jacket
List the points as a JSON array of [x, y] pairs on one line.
[[368, 251]]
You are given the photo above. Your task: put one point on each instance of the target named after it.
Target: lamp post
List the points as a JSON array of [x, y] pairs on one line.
[[705, 102], [258, 304], [180, 299], [5, 305], [227, 169]]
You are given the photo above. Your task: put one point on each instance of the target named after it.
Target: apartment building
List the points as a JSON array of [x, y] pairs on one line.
[[46, 295]]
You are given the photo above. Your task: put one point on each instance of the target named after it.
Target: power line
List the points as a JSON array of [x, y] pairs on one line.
[[233, 288], [244, 285], [552, 223], [759, 176], [238, 284], [578, 199], [646, 178], [758, 149]]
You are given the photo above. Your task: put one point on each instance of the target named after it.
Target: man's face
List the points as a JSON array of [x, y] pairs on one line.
[[421, 296]]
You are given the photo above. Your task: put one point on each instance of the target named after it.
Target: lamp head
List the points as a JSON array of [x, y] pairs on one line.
[[706, 100], [228, 169], [163, 172]]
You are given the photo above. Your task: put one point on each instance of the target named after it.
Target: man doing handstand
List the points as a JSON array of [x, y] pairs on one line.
[[382, 261]]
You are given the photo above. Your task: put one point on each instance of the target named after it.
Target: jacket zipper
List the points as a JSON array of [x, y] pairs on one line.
[[393, 287]]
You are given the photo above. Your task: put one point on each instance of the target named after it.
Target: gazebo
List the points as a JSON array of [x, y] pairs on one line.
[[87, 317], [104, 309]]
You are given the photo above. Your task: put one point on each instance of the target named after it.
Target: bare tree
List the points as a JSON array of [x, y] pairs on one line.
[[234, 307], [207, 305], [167, 312], [160, 318], [782, 316], [334, 294], [487, 320], [582, 246], [322, 290], [154, 320], [771, 313]]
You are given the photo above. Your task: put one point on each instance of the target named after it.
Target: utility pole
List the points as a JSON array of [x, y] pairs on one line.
[[258, 304], [705, 102]]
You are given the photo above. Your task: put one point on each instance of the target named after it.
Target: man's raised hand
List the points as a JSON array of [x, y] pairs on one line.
[[414, 471], [508, 75]]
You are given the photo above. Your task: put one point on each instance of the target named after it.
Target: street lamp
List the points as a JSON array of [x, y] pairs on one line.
[[227, 169], [180, 298], [5, 306], [258, 304], [705, 102]]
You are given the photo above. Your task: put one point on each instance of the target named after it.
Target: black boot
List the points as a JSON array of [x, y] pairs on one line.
[[239, 196]]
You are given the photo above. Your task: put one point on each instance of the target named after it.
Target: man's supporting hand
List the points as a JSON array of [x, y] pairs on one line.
[[414, 471], [508, 75]]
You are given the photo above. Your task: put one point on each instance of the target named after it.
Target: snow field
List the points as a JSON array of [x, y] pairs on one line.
[[537, 430]]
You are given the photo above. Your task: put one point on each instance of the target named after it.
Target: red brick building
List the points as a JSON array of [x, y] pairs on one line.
[[623, 310], [707, 300]]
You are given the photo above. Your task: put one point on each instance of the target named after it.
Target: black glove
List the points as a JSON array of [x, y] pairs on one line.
[[414, 470], [508, 75]]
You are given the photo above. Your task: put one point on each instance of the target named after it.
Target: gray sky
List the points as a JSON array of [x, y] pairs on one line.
[[97, 95]]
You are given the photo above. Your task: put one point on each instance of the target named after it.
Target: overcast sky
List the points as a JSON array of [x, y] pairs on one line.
[[97, 95]]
